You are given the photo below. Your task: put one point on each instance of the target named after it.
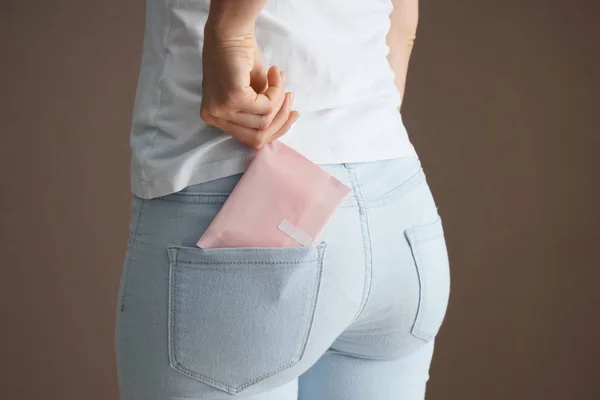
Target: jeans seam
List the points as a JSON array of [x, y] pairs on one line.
[[403, 189], [367, 245], [362, 356], [131, 243]]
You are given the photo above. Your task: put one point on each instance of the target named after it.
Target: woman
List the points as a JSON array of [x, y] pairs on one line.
[[354, 318]]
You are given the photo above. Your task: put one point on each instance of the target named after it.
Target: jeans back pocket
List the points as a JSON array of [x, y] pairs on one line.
[[429, 251], [240, 315]]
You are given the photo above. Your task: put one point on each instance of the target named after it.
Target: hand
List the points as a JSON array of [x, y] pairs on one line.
[[239, 96]]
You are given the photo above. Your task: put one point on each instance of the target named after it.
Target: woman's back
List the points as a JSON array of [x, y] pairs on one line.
[[334, 54]]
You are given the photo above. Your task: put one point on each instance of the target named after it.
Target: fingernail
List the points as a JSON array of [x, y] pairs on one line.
[[283, 74], [296, 116], [291, 98]]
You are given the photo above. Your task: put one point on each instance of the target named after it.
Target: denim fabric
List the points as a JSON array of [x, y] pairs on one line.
[[352, 318]]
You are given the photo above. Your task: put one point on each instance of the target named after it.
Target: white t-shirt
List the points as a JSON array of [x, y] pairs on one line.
[[334, 54]]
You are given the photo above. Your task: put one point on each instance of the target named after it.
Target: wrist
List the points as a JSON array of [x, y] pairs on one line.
[[229, 22], [226, 29]]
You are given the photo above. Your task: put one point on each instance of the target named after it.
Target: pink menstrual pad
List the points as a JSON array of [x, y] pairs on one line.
[[282, 200]]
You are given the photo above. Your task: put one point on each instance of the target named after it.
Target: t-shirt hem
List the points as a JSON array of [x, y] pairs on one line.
[[180, 180], [177, 180]]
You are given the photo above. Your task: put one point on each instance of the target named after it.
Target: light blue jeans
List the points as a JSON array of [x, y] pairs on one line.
[[351, 318]]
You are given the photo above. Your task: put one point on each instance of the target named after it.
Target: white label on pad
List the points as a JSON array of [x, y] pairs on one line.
[[295, 233]]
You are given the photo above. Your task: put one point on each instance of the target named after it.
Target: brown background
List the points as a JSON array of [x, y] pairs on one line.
[[502, 104]]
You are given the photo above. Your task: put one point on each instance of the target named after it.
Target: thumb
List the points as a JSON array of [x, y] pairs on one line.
[[258, 75]]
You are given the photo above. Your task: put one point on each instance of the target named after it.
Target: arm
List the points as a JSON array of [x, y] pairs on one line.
[[400, 39]]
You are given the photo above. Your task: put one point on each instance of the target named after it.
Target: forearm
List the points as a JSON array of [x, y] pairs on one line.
[[401, 37], [233, 17]]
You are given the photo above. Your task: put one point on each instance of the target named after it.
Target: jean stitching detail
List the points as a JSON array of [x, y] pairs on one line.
[[398, 192], [219, 199], [131, 242], [194, 194], [219, 203], [313, 306], [171, 317], [362, 356], [282, 262], [347, 203], [423, 297], [416, 328], [247, 262], [222, 385], [429, 239], [367, 246]]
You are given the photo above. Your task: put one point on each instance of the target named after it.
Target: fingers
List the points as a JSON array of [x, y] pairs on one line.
[[259, 121], [256, 103], [256, 121], [266, 118], [282, 116], [258, 78], [252, 115], [270, 101], [245, 135], [276, 90], [293, 117], [253, 137]]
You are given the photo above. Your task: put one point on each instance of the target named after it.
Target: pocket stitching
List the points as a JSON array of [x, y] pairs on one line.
[[177, 248], [245, 262], [413, 242], [422, 294], [174, 250]]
